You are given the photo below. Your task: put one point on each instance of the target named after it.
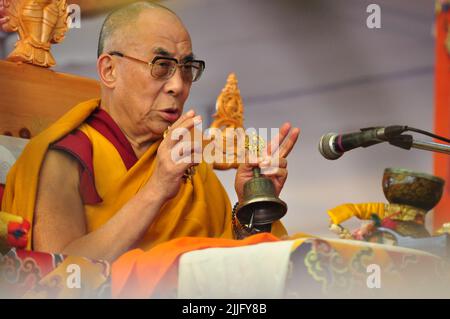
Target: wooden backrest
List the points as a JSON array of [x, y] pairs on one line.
[[32, 97]]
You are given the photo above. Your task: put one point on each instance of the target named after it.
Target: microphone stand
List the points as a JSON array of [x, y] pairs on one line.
[[431, 146], [407, 142]]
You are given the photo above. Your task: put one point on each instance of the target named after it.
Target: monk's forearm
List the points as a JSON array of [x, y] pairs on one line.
[[122, 232]]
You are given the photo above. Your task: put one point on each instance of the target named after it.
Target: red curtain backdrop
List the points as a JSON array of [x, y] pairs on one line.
[[442, 100]]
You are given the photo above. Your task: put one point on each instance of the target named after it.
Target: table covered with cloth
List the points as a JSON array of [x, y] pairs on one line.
[[260, 266]]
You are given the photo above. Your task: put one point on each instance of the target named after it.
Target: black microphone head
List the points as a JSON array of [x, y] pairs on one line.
[[326, 147]]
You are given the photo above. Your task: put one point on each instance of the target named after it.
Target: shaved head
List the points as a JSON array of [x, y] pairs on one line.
[[123, 18]]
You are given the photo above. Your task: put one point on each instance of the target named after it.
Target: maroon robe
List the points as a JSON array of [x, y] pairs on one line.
[[78, 145]]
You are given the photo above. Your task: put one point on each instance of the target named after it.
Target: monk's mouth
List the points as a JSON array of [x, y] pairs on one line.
[[170, 115]]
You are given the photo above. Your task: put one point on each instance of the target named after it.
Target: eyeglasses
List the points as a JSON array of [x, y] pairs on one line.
[[163, 68]]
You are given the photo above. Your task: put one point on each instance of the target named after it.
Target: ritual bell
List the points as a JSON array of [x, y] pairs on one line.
[[261, 207]]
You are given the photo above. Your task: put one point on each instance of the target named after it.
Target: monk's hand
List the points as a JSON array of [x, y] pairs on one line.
[[273, 165], [176, 153]]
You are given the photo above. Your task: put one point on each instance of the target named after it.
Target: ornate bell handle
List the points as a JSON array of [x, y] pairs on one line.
[[256, 171]]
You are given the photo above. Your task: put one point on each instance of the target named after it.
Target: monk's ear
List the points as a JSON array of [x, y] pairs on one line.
[[106, 69]]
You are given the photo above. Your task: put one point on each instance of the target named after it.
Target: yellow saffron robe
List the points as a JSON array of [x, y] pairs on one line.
[[201, 208]]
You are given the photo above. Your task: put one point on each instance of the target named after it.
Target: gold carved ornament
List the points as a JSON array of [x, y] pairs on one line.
[[229, 115], [39, 23]]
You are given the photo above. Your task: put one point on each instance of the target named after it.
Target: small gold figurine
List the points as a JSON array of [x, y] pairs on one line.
[[39, 24]]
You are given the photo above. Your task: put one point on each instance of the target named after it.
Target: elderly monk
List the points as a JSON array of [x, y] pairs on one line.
[[101, 180]]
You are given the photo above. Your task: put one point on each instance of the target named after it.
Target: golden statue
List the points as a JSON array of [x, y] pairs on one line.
[[39, 24], [230, 114]]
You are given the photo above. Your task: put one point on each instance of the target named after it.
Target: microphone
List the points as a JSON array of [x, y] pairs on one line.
[[332, 146]]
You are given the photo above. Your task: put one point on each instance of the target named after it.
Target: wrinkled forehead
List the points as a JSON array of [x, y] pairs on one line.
[[158, 32]]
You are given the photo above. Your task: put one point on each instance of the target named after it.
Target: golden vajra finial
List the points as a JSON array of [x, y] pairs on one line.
[[254, 144], [39, 24]]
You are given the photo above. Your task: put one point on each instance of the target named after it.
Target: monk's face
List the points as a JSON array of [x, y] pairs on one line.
[[151, 104]]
